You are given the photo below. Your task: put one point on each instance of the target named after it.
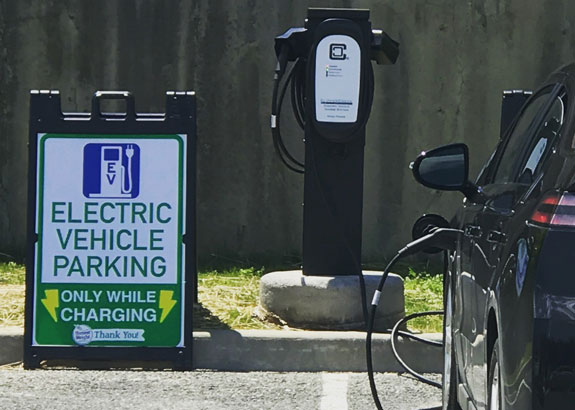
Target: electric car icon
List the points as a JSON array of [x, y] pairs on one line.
[[509, 287]]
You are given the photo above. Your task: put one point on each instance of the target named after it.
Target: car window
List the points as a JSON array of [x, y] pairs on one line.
[[542, 142], [517, 139]]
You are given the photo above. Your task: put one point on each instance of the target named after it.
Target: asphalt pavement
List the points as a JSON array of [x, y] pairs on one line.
[[207, 390]]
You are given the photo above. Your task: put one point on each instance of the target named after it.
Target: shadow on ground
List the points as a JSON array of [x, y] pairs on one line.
[[202, 319]]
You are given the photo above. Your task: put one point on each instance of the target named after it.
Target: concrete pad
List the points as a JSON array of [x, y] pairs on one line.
[[330, 302]]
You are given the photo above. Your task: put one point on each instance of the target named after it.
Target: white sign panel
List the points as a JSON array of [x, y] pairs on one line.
[[111, 210], [337, 79]]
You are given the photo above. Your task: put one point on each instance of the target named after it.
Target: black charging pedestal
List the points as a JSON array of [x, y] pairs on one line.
[[338, 100]]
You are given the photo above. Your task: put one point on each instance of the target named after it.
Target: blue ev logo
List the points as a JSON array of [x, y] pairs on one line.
[[111, 171]]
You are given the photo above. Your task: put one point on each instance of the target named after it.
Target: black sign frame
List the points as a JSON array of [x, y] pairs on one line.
[[46, 116]]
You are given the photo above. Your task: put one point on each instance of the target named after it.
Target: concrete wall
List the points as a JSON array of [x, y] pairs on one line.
[[456, 58]]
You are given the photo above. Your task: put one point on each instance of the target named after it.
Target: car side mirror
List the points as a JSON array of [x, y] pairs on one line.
[[445, 168]]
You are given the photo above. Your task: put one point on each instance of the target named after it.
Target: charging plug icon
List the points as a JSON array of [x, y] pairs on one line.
[[128, 169], [111, 170]]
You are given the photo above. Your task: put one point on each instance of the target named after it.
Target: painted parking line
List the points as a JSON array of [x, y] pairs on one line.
[[334, 391]]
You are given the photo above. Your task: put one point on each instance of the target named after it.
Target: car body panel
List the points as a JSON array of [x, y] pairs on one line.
[[513, 279], [554, 322]]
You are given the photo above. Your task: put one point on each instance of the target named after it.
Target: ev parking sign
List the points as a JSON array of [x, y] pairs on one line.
[[112, 242]]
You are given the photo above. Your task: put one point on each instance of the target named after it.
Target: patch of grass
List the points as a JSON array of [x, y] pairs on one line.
[[12, 277], [12, 305], [228, 299], [12, 274], [231, 296], [424, 292]]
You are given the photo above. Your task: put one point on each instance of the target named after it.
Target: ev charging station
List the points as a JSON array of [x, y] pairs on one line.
[[332, 80], [111, 257], [327, 67]]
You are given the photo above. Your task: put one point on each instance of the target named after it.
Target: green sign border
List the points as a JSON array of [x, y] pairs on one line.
[[42, 138]]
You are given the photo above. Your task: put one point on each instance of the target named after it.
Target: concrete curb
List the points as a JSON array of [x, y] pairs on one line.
[[276, 350], [11, 345], [307, 351]]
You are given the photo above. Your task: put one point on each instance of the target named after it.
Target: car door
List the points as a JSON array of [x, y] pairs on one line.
[[464, 312], [516, 169]]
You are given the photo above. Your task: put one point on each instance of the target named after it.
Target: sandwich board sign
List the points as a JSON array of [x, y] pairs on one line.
[[111, 235]]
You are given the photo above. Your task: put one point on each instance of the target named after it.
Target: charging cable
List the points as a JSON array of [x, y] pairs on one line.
[[443, 238], [296, 80]]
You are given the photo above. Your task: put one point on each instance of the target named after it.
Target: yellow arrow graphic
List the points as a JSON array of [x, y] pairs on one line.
[[51, 302], [167, 303]]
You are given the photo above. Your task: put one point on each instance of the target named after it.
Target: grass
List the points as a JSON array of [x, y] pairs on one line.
[[12, 274], [12, 278], [424, 292], [232, 297], [229, 298]]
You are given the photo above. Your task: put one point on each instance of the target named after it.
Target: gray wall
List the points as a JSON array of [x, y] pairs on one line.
[[456, 58]]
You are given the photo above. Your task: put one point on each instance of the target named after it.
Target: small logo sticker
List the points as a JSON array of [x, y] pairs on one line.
[[82, 334], [111, 171], [337, 51], [522, 262]]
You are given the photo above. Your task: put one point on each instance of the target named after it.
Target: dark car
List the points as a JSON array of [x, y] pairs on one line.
[[510, 286]]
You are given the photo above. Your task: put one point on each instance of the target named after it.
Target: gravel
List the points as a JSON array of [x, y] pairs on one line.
[[200, 390]]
